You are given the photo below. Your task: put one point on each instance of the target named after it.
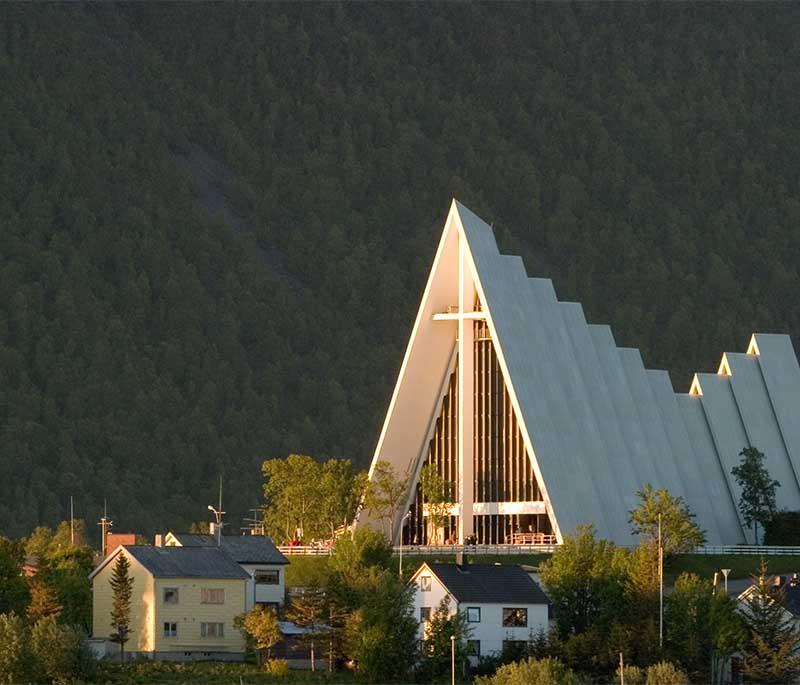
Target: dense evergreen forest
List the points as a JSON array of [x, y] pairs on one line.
[[216, 220]]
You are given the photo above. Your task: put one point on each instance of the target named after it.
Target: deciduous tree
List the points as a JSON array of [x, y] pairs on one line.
[[585, 580], [436, 654], [262, 627], [679, 531], [293, 493], [757, 501], [437, 496], [13, 589], [15, 658], [385, 494]]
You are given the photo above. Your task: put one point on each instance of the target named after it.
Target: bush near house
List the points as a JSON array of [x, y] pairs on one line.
[[546, 671]]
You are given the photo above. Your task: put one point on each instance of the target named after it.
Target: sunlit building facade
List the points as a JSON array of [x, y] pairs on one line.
[[539, 422]]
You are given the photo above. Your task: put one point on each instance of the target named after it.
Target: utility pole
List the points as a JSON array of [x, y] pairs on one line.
[[660, 588], [105, 525], [71, 521], [621, 670]]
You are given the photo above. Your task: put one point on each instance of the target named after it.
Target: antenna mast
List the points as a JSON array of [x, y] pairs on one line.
[[105, 524]]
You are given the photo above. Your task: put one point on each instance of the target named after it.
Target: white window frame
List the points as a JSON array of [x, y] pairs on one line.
[[217, 631], [265, 571]]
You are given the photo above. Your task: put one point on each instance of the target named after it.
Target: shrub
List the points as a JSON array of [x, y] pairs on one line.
[[665, 673], [56, 650], [633, 676], [15, 661], [546, 671], [783, 529], [278, 668]]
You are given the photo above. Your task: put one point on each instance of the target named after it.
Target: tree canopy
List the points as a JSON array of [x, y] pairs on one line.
[[679, 532], [757, 499]]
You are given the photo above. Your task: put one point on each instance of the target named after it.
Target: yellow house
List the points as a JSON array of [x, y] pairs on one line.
[[184, 602]]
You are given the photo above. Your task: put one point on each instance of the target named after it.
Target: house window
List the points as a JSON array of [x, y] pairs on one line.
[[473, 614], [425, 583], [515, 618], [212, 595], [170, 595], [212, 630], [170, 629], [424, 614], [268, 577], [473, 647]]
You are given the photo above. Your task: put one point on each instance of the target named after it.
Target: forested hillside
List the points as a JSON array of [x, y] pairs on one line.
[[216, 220]]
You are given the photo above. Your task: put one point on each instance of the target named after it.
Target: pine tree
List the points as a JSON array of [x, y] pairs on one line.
[[44, 601], [772, 652], [122, 588], [308, 612]]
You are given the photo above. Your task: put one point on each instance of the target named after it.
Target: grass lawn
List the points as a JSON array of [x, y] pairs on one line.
[[207, 673], [741, 565]]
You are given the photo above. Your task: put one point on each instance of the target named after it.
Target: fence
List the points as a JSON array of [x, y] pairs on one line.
[[304, 550], [755, 550], [502, 550]]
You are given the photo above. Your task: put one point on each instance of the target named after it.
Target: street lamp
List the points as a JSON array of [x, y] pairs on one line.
[[218, 530], [660, 587], [725, 572], [452, 660], [402, 521]]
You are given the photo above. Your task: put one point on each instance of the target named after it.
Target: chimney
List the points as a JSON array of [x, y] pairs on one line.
[[159, 542], [459, 558]]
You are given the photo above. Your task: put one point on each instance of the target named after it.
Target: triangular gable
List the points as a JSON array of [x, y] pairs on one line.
[[595, 424]]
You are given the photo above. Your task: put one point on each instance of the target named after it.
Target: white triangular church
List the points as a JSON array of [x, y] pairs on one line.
[[541, 422]]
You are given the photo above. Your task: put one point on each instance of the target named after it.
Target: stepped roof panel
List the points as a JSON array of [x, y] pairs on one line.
[[761, 424]]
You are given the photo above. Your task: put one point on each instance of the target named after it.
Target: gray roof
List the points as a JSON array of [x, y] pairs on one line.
[[489, 584], [186, 562], [243, 549], [602, 425]]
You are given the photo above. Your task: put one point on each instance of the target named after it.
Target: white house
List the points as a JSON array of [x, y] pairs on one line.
[[502, 603], [256, 554]]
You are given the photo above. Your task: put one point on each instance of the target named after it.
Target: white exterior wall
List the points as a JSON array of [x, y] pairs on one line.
[[272, 594], [490, 630]]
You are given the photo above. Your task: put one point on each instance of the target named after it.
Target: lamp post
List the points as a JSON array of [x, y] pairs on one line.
[[660, 588], [452, 660], [402, 522], [725, 572], [218, 515]]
